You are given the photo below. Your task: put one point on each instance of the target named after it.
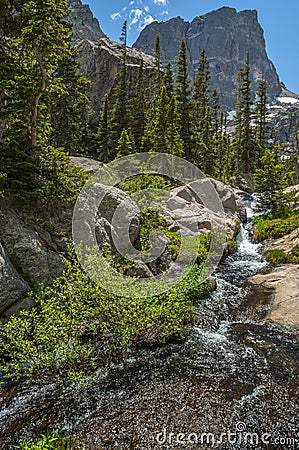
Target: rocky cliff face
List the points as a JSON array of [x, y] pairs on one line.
[[227, 36], [100, 63], [86, 26]]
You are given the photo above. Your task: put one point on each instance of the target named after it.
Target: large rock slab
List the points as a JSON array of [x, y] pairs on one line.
[[101, 62], [285, 281], [29, 253], [12, 285]]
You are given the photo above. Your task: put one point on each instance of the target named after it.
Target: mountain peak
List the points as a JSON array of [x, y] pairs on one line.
[[85, 25], [227, 37]]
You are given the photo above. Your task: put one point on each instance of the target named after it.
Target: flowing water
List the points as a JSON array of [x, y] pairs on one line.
[[233, 384]]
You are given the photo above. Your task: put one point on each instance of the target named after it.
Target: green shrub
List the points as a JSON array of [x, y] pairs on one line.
[[48, 442], [76, 327], [274, 228], [278, 256]]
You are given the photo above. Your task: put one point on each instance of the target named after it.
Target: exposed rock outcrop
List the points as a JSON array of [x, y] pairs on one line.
[[285, 281], [33, 240], [100, 63], [85, 25], [227, 37]]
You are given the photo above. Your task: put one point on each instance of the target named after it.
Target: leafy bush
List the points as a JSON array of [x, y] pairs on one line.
[[76, 327]]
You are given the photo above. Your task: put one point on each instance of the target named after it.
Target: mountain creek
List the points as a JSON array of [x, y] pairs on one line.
[[231, 384]]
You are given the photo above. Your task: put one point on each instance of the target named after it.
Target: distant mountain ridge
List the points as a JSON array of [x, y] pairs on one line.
[[227, 36]]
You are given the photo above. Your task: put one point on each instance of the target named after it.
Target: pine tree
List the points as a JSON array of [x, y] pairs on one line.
[[270, 181], [201, 91], [35, 48], [158, 66], [164, 134], [126, 144], [120, 116], [168, 80], [184, 105], [138, 108], [70, 112], [244, 137], [261, 120], [104, 134]]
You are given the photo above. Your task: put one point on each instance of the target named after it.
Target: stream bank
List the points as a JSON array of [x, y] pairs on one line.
[[235, 372]]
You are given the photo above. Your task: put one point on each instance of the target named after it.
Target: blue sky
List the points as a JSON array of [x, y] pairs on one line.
[[278, 18]]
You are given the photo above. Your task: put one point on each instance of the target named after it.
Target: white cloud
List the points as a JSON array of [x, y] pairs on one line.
[[115, 16], [146, 9], [164, 13], [132, 3], [135, 16], [146, 21], [160, 2]]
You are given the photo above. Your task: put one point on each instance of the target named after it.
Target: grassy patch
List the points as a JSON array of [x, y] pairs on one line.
[[274, 228], [278, 256]]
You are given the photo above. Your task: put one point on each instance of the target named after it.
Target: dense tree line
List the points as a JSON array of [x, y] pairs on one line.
[[178, 116]]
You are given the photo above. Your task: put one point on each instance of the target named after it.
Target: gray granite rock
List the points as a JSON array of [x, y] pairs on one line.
[[12, 286], [100, 63], [85, 25], [227, 36]]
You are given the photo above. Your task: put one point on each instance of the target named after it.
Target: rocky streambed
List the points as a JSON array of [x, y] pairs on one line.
[[232, 384]]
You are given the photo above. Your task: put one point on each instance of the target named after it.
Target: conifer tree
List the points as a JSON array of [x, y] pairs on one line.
[[164, 134], [104, 134], [69, 110], [201, 91], [261, 120], [120, 116], [244, 138], [158, 67], [35, 47], [169, 80], [270, 181], [184, 104], [126, 144], [138, 108]]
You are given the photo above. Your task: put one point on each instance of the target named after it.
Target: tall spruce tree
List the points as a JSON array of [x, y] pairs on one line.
[[169, 80], [164, 136], [70, 111], [184, 104], [158, 66], [120, 116], [35, 48], [244, 142], [201, 92], [262, 128], [104, 134], [270, 181], [138, 108]]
